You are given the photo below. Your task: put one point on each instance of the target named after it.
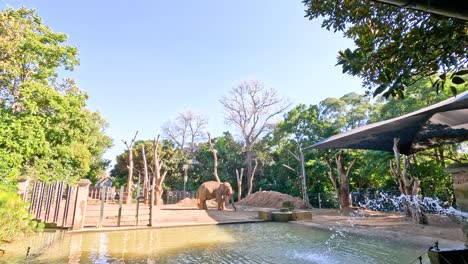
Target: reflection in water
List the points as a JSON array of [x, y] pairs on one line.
[[244, 243]]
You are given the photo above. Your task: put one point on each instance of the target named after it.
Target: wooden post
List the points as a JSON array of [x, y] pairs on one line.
[[67, 205], [81, 201], [58, 200], [39, 200], [151, 194], [23, 186], [101, 212], [319, 201], [119, 217], [33, 198], [137, 210]]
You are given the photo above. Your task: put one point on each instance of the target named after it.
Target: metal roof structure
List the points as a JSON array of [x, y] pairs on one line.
[[435, 125]]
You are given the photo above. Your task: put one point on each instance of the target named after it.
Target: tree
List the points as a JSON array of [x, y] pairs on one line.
[[394, 46], [186, 130], [341, 181], [251, 108], [31, 52], [158, 176], [215, 158], [348, 112], [130, 166], [173, 159], [47, 131]]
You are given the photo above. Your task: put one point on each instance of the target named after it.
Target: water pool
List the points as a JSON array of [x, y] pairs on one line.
[[241, 243]]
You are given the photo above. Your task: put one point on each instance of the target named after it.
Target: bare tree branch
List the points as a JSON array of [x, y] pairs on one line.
[[251, 108]]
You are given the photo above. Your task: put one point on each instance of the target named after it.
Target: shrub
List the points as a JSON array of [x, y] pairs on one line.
[[14, 217]]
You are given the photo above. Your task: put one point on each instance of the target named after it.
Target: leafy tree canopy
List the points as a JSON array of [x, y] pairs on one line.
[[395, 46], [47, 131]]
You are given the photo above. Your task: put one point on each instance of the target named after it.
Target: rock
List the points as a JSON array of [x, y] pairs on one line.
[[288, 204], [265, 215], [282, 216], [301, 215]]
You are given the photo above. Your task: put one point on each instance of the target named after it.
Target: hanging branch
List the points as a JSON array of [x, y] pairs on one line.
[[130, 167], [215, 157]]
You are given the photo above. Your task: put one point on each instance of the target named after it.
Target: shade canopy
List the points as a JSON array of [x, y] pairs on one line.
[[442, 123]]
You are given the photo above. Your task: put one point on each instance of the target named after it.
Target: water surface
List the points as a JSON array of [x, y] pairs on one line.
[[241, 243]]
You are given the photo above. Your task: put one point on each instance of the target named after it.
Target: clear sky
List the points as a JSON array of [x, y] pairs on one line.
[[142, 62]]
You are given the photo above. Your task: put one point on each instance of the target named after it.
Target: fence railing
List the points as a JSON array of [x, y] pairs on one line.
[[323, 200], [51, 203], [174, 196]]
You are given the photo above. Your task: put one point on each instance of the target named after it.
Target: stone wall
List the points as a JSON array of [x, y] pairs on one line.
[[460, 184]]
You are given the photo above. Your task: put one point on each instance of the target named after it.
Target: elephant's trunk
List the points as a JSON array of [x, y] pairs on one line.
[[232, 202]]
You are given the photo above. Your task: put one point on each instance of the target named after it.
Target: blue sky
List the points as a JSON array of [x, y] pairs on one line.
[[142, 62]]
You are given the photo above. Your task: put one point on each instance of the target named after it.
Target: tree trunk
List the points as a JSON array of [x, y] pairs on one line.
[[251, 178], [305, 197], [249, 154], [409, 186], [215, 157], [130, 176], [341, 183], [130, 167], [239, 183], [158, 178], [145, 172]]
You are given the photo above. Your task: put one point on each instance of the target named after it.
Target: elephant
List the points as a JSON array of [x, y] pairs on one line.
[[222, 191]]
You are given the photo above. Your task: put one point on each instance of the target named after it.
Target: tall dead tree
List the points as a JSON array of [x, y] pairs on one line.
[[340, 182], [145, 172], [251, 108], [158, 178], [239, 183], [130, 167], [305, 196], [186, 130], [408, 185], [215, 157]]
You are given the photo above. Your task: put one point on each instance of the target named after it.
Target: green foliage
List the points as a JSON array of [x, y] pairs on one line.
[[395, 45], [172, 158], [14, 217], [47, 132], [230, 158]]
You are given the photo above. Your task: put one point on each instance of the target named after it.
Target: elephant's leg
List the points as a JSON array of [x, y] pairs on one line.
[[220, 204], [204, 205]]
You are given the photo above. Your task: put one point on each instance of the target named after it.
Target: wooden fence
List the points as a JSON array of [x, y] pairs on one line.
[[61, 205], [106, 208], [52, 203]]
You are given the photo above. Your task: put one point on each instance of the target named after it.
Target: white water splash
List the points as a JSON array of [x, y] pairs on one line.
[[313, 257], [386, 202]]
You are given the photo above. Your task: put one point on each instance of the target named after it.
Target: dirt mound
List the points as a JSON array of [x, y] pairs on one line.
[[270, 199]]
